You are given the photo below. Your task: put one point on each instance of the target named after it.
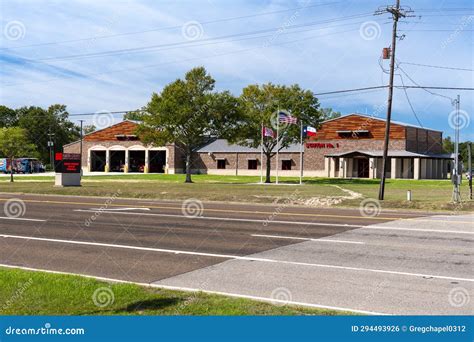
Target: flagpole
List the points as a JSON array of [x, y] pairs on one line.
[[261, 156], [301, 152], [278, 143]]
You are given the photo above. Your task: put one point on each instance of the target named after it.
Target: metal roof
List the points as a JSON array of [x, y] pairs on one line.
[[223, 146], [392, 153]]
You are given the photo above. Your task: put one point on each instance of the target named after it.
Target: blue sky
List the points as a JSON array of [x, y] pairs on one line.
[[49, 52]]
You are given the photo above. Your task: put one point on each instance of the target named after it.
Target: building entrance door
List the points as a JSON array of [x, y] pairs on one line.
[[363, 168]]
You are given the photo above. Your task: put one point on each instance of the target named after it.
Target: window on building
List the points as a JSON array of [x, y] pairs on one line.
[[344, 134], [286, 164], [336, 162], [252, 164], [221, 163]]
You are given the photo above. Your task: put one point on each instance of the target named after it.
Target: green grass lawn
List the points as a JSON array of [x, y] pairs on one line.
[[39, 293], [427, 194]]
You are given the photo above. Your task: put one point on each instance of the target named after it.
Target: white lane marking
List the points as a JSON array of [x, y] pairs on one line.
[[21, 219], [118, 209], [307, 239], [280, 222], [232, 219], [190, 289], [419, 230], [235, 257]]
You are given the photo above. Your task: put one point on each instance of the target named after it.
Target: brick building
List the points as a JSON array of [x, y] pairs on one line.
[[349, 146], [117, 148]]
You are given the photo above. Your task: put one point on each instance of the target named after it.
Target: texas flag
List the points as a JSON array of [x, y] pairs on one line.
[[309, 131], [267, 132]]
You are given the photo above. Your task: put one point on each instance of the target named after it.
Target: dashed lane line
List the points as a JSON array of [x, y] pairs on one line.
[[237, 257]]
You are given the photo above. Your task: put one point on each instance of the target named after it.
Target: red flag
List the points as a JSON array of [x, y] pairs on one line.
[[268, 132]]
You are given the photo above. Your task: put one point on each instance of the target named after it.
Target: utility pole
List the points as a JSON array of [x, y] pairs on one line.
[[80, 149], [469, 160], [51, 145], [397, 13], [456, 175]]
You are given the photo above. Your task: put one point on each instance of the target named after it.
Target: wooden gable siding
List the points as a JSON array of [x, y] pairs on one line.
[[109, 133], [376, 128]]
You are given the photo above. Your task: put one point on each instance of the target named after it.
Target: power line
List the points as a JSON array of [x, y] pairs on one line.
[[436, 66], [442, 9], [395, 86], [108, 113], [350, 90], [150, 47], [445, 15], [316, 94], [409, 102], [435, 30], [182, 60], [352, 94], [166, 28], [190, 44], [439, 88], [414, 82]]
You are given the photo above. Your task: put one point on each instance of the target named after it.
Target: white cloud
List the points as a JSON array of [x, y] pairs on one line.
[[324, 61]]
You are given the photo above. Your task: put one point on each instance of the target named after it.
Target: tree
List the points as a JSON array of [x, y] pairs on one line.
[[40, 123], [88, 129], [464, 152], [136, 115], [448, 145], [260, 107], [329, 114], [13, 144], [188, 113], [8, 117]]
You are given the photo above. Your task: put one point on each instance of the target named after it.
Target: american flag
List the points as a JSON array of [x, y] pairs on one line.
[[287, 118]]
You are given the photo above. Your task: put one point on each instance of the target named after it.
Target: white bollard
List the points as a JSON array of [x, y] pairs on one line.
[[409, 195]]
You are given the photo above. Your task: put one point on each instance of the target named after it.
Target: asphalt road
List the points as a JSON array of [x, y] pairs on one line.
[[402, 263]]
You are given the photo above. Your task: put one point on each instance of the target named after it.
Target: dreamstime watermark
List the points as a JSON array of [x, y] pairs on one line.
[[368, 121], [370, 207], [281, 296], [101, 31], [102, 119], [465, 22], [185, 303], [275, 118], [14, 30], [18, 294], [460, 121], [458, 297], [103, 296], [289, 22], [288, 201], [192, 30], [370, 30], [104, 207], [14, 208], [192, 207], [47, 329]]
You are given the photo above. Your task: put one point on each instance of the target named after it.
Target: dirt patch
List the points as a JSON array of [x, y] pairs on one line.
[[315, 201], [327, 201]]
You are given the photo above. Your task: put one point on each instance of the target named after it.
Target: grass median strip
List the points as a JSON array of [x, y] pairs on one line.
[[40, 293], [315, 192]]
